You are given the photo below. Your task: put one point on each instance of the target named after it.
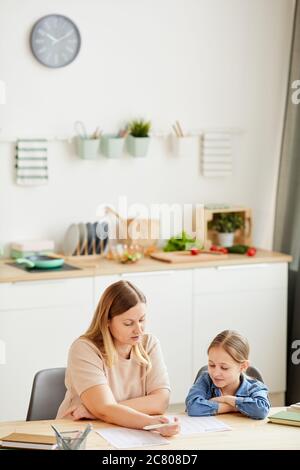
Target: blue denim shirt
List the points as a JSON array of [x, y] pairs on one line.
[[252, 398]]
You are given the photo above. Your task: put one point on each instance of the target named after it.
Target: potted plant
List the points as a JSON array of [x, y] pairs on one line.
[[138, 138], [226, 223]]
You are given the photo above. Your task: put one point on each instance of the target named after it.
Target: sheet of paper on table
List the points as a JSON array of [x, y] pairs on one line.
[[122, 438], [197, 424]]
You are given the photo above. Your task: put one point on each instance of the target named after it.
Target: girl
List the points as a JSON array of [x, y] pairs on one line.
[[225, 388], [115, 372]]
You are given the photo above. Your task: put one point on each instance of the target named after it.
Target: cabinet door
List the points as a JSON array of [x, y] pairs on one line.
[[48, 293], [101, 283], [258, 311], [35, 339], [169, 318]]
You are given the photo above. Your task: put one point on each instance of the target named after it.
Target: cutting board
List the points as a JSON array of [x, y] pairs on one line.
[[186, 257]]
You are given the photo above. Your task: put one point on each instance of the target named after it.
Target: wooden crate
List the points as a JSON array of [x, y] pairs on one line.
[[242, 236]]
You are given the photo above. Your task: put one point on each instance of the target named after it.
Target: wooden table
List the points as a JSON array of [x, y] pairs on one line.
[[246, 434]]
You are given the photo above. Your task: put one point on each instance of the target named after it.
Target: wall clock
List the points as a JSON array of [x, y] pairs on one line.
[[55, 41]]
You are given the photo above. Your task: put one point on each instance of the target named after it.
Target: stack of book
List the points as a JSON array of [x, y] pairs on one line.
[[294, 407], [290, 417], [24, 248], [28, 441]]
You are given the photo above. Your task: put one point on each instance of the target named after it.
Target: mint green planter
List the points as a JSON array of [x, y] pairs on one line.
[[138, 146], [112, 146], [87, 149]]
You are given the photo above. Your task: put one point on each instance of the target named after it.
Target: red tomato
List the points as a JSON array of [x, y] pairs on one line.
[[251, 251], [223, 250], [194, 251], [214, 248]]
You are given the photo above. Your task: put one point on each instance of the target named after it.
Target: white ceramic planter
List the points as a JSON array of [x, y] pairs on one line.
[[112, 146], [186, 146], [138, 146], [87, 149], [226, 239]]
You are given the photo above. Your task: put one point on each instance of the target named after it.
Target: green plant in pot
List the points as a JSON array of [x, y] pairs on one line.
[[138, 138], [226, 224]]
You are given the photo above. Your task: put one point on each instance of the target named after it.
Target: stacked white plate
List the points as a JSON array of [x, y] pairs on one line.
[[86, 238]]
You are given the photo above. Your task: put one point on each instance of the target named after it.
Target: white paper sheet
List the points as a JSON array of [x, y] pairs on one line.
[[122, 438], [195, 424]]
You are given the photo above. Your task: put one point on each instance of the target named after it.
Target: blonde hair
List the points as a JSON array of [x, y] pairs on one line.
[[233, 343], [116, 299]]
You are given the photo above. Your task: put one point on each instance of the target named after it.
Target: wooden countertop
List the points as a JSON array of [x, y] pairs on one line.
[[246, 433], [103, 267]]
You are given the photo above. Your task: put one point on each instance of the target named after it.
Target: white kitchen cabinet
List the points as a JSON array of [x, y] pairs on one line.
[[38, 335], [46, 293], [101, 283], [169, 318], [251, 299]]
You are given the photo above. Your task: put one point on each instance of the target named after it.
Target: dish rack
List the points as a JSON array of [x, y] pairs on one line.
[[86, 240]]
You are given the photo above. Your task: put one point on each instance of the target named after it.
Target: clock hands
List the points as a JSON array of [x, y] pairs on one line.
[[65, 36], [53, 39], [56, 40]]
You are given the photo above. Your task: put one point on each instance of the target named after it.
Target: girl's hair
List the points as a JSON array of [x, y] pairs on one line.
[[233, 343], [116, 299]]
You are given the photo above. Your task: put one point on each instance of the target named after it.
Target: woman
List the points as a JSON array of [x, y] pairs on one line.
[[116, 372]]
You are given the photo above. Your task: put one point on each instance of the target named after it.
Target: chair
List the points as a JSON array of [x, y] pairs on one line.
[[252, 372], [48, 392]]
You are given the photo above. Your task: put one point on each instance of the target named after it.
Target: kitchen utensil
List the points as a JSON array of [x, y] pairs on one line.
[[179, 128], [71, 240], [97, 133], [80, 130], [186, 257], [91, 233], [101, 231], [82, 237], [123, 133], [145, 232], [44, 262], [175, 130]]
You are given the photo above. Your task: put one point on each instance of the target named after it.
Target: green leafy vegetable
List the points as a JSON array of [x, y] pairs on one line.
[[182, 242]]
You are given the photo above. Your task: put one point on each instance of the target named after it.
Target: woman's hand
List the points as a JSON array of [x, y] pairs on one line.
[[77, 412], [167, 431]]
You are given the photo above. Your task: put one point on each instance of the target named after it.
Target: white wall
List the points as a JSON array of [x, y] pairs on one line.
[[208, 63]]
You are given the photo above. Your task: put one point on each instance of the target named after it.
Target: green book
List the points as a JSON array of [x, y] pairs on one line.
[[286, 417], [24, 254]]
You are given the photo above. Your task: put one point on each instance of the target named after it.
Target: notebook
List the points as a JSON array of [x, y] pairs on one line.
[[286, 417], [294, 407], [28, 441]]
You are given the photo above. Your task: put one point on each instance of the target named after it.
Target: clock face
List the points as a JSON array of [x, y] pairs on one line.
[[55, 41]]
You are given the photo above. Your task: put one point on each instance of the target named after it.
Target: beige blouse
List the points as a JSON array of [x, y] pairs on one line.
[[127, 379]]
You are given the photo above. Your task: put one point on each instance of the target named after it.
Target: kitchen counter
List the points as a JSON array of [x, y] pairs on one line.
[[101, 266]]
